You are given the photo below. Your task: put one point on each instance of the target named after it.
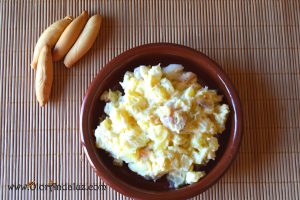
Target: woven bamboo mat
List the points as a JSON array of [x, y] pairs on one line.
[[255, 41]]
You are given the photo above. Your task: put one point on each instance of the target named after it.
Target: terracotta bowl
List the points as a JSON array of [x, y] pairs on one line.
[[209, 73]]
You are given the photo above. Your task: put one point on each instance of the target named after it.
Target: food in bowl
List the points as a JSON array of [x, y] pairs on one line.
[[165, 123]]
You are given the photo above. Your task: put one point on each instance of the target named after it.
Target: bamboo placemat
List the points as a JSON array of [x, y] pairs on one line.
[[255, 41]]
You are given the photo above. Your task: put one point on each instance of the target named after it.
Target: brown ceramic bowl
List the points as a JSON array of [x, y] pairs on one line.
[[209, 73]]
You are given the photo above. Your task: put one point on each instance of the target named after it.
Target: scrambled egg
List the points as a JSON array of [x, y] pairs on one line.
[[164, 124]]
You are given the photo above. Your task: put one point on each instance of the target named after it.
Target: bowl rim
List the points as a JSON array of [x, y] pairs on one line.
[[220, 168]]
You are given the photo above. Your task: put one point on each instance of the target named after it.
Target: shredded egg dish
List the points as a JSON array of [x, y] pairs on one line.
[[164, 123]]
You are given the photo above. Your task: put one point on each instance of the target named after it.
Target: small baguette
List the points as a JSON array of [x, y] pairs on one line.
[[69, 36], [84, 41], [49, 37], [44, 76]]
